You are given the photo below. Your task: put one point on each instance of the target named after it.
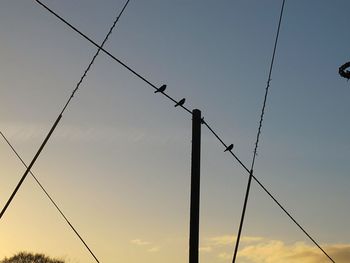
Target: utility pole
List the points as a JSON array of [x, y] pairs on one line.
[[195, 186]]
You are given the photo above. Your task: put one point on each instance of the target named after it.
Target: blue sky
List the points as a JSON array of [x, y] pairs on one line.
[[119, 162]]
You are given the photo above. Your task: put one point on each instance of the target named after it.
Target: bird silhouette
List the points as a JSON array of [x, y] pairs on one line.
[[161, 89], [229, 148], [180, 103], [343, 72]]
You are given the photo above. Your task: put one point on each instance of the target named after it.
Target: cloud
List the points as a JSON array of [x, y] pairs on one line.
[[153, 249], [139, 242], [341, 252], [24, 132], [148, 245], [276, 251], [206, 249], [225, 256], [254, 249], [226, 240]]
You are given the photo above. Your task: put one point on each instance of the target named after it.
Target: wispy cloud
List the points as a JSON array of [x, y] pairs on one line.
[[276, 251], [148, 245], [139, 242], [225, 256], [225, 240], [37, 131], [206, 249], [154, 249], [256, 249], [26, 132]]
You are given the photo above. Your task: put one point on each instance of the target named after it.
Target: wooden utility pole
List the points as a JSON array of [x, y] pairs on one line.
[[195, 186]]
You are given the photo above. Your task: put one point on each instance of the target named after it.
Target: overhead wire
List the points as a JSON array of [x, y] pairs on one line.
[[257, 137], [28, 168], [51, 199], [268, 192], [187, 110], [255, 153], [110, 55]]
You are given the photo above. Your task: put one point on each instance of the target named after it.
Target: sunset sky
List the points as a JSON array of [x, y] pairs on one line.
[[118, 164]]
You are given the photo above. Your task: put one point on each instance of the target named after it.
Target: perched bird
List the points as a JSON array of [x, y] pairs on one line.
[[229, 148], [180, 103], [161, 89], [343, 72]]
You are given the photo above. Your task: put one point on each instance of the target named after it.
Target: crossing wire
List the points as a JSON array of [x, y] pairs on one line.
[[54, 127], [268, 192], [50, 198], [256, 149], [187, 110], [110, 55], [257, 138]]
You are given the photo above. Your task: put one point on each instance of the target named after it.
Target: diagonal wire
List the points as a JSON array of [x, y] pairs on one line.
[[268, 192], [257, 144], [186, 109], [257, 137], [109, 54], [60, 116], [51, 199]]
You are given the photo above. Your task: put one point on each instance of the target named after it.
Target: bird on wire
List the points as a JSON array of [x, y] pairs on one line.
[[180, 103], [343, 72], [161, 89], [229, 148]]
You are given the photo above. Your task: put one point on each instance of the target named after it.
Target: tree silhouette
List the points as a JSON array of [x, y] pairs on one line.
[[24, 257]]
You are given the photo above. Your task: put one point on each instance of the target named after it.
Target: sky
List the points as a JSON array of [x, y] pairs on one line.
[[118, 163]]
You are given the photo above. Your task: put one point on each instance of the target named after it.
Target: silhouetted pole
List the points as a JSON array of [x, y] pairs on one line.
[[195, 186]]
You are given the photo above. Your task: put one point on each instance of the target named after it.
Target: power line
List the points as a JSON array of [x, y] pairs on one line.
[[257, 138], [50, 198], [267, 191], [30, 166], [256, 150], [186, 109], [57, 121], [110, 55]]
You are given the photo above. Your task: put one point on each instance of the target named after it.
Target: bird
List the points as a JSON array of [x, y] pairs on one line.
[[229, 148], [161, 89], [343, 72], [180, 103]]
